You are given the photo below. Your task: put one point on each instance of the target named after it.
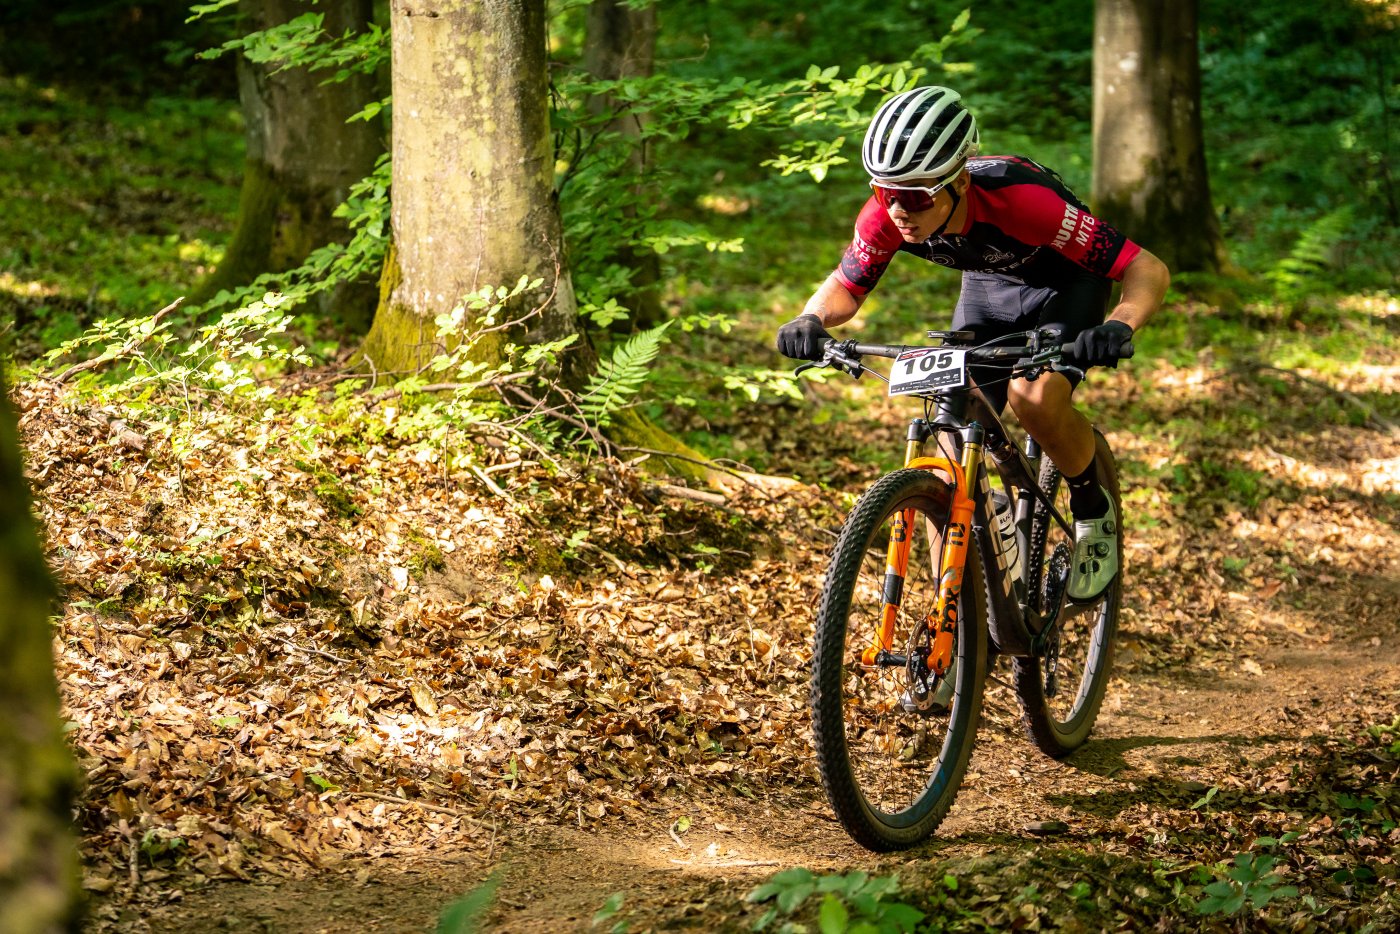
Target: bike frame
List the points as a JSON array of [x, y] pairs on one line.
[[1016, 627]]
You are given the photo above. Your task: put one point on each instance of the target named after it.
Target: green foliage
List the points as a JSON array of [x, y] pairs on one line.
[[465, 916], [854, 902], [1300, 123], [1390, 731], [226, 357], [1294, 276], [1252, 881], [619, 378], [113, 208], [303, 42], [608, 912]]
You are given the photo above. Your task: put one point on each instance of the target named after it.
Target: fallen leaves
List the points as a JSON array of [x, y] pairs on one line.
[[274, 662]]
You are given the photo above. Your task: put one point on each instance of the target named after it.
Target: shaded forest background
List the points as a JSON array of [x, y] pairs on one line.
[[239, 516], [104, 97]]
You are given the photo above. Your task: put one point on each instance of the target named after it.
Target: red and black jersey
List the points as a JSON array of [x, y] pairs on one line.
[[1023, 223]]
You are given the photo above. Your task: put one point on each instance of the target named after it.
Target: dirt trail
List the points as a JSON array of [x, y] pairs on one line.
[[1165, 736]]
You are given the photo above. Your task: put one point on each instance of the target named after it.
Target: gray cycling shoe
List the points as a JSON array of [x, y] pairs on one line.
[[1095, 562]]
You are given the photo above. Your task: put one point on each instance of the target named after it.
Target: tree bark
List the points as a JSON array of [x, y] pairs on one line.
[[473, 181], [302, 158], [39, 889], [1150, 177], [621, 43]]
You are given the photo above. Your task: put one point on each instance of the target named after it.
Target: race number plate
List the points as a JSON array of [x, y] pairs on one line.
[[928, 369]]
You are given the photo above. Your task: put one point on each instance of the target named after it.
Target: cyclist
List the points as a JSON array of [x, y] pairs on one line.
[[1030, 253]]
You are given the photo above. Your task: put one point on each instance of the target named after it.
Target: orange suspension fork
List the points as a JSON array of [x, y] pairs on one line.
[[944, 621], [952, 561]]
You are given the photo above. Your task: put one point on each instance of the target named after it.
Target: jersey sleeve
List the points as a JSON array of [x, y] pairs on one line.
[[1040, 217], [874, 244]]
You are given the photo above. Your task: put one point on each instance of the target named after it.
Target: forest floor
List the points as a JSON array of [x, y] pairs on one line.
[[319, 681]]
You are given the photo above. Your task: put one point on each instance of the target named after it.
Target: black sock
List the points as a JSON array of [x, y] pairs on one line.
[[1086, 499]]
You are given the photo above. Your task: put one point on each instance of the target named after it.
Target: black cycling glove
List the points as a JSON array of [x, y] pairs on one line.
[[802, 338], [1102, 346]]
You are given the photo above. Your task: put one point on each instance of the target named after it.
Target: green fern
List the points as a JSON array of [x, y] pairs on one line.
[[611, 389], [1292, 275]]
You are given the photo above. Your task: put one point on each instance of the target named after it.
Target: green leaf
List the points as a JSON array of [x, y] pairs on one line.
[[464, 915], [833, 917], [610, 908], [1262, 896], [619, 379], [903, 917], [790, 899]]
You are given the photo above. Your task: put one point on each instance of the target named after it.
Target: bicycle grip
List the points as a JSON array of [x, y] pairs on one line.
[[1124, 352]]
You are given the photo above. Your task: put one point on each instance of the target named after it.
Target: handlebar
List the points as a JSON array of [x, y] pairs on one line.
[[845, 355], [974, 353]]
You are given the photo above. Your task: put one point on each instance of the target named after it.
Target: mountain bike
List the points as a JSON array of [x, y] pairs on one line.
[[930, 580]]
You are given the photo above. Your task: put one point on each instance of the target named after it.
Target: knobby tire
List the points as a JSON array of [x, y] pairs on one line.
[[844, 718], [1088, 636]]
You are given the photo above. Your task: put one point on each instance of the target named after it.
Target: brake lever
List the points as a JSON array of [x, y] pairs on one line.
[[834, 358]]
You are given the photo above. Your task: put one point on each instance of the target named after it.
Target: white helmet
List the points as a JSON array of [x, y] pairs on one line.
[[924, 133]]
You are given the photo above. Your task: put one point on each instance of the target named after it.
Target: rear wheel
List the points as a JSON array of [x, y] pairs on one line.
[[1062, 691], [892, 738]]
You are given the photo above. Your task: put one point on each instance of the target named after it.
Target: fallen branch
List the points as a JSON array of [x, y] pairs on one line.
[[717, 500], [1364, 407], [489, 483], [126, 348], [302, 648]]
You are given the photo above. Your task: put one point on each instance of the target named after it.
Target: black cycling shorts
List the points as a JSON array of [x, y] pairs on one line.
[[991, 306]]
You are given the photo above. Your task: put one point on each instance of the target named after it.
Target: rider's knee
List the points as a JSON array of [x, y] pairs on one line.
[[1038, 400]]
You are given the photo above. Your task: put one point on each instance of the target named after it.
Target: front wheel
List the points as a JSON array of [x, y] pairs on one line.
[[1061, 691], [893, 738]]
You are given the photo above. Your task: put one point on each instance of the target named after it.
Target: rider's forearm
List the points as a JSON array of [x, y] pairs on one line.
[[1144, 286], [832, 304]]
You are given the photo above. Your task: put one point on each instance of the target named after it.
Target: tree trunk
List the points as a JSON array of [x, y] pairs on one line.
[[473, 181], [38, 864], [621, 43], [302, 158], [1150, 176]]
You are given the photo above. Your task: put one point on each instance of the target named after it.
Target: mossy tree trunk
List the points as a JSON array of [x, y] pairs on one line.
[[38, 862], [474, 203], [620, 42], [473, 187], [1150, 177], [302, 158]]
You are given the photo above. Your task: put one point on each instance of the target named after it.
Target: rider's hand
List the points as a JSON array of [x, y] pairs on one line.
[[1101, 346], [802, 338]]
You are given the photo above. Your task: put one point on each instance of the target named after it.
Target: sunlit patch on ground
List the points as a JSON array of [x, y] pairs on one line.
[[27, 288]]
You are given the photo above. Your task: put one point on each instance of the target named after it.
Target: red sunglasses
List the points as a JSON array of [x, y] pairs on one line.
[[912, 199]]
